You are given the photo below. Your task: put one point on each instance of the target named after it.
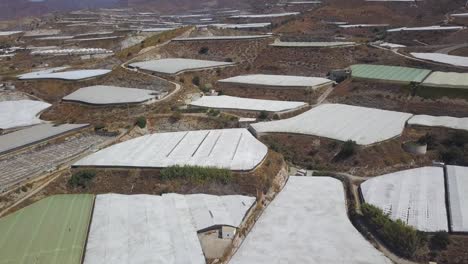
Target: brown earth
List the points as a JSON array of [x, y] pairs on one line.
[[395, 97]]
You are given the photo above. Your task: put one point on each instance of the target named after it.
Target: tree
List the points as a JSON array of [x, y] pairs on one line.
[[196, 80], [141, 122], [203, 50]]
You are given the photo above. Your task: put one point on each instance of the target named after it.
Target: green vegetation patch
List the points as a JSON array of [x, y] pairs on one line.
[[389, 73], [51, 231], [403, 239], [197, 174]]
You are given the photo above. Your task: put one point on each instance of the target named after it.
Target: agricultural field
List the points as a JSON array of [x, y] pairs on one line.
[[365, 126], [234, 149], [182, 123], [53, 230]]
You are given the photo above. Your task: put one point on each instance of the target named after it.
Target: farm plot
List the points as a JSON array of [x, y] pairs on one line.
[[177, 66], [429, 28], [393, 74], [442, 58], [35, 134], [363, 125], [52, 230], [247, 104], [241, 26], [20, 113], [312, 44], [73, 75], [453, 80], [83, 51], [278, 81], [234, 149], [33, 163], [214, 38], [266, 15], [307, 223], [110, 95], [416, 197], [439, 121], [158, 229], [457, 183]]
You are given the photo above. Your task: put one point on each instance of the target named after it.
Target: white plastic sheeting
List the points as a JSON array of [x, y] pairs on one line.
[[142, 229], [9, 33], [429, 28], [330, 44], [83, 51], [439, 121], [20, 113], [239, 103], [278, 80], [416, 196], [245, 37], [307, 224], [457, 183], [175, 66], [442, 58], [101, 95], [267, 15], [158, 229], [35, 134], [453, 80], [72, 75], [341, 122], [241, 26], [234, 149]]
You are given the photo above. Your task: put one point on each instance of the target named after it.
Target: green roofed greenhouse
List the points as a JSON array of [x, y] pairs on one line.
[[51, 231], [391, 74]]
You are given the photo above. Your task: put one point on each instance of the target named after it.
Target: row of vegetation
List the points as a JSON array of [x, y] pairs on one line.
[[403, 239], [197, 174]]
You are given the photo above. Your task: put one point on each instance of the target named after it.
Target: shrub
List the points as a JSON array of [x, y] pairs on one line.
[[99, 127], [440, 240], [263, 115], [453, 156], [213, 112], [81, 179], [176, 116], [196, 80], [228, 60], [428, 139], [203, 50], [403, 239], [347, 150], [141, 122], [197, 174]]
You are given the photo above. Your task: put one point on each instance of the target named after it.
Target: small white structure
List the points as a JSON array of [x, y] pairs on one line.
[[363, 125], [457, 184], [158, 229], [442, 58], [278, 81], [234, 149], [177, 66], [20, 113], [110, 95], [416, 197], [246, 104], [307, 223], [73, 75]]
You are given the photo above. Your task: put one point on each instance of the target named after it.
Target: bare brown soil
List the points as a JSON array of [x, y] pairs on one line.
[[137, 181], [395, 97], [320, 154]]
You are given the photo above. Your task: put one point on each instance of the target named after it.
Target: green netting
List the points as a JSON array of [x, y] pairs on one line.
[[389, 73]]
